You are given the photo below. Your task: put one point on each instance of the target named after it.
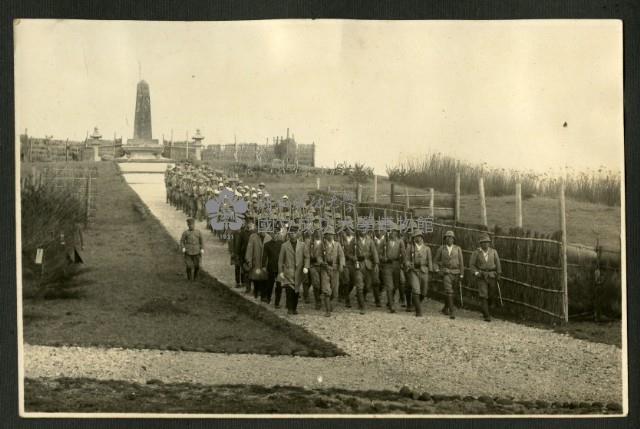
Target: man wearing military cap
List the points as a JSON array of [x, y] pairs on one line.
[[347, 277], [366, 264], [392, 256], [293, 264], [450, 264], [333, 264], [418, 263], [192, 247], [485, 266]]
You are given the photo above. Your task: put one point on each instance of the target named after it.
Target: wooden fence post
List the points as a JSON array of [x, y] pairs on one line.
[[317, 183], [483, 202], [359, 193], [519, 205], [392, 193], [457, 208], [432, 198], [87, 198], [563, 227], [406, 195], [375, 188], [30, 149]]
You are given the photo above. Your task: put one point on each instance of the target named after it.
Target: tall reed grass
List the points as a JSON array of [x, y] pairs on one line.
[[438, 171]]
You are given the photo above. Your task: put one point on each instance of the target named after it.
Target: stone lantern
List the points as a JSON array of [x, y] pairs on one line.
[[197, 144], [95, 143]]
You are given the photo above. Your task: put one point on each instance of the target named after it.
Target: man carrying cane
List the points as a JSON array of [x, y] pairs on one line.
[[293, 262], [192, 248], [449, 262], [485, 266]]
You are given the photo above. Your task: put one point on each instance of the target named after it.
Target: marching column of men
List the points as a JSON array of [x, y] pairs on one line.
[[335, 264]]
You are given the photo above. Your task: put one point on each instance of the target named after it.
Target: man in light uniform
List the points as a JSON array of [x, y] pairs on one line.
[[334, 264], [366, 265], [485, 266], [392, 257], [418, 262], [450, 264], [192, 248]]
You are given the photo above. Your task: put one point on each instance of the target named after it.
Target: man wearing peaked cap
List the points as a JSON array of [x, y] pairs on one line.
[[418, 263], [192, 247], [334, 264], [485, 266], [450, 264], [391, 258]]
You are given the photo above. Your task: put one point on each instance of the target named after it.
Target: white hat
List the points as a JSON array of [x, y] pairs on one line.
[[284, 197]]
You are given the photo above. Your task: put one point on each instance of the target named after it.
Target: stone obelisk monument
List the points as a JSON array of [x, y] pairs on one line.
[[142, 146]]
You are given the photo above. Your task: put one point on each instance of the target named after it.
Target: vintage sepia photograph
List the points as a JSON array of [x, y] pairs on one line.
[[320, 218]]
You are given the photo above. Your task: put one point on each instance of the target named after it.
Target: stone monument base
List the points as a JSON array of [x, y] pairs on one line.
[[142, 151]]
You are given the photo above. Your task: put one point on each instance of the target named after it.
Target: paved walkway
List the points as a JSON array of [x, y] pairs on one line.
[[385, 351]]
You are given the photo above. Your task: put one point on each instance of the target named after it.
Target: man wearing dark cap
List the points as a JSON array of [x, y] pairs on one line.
[[450, 264], [392, 256], [192, 248], [334, 260], [293, 263], [485, 266], [418, 262]]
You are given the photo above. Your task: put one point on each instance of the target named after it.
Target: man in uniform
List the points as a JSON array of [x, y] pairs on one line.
[[450, 264], [293, 263], [485, 266], [192, 248], [317, 269], [334, 259], [392, 257], [380, 240], [347, 276], [418, 263], [366, 265]]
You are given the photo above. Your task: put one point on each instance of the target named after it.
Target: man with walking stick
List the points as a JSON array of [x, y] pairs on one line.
[[485, 266]]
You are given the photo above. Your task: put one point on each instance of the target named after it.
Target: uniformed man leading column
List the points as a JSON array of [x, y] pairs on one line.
[[192, 248]]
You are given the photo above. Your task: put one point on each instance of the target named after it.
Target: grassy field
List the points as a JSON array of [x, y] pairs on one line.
[[586, 222], [136, 295], [92, 396]]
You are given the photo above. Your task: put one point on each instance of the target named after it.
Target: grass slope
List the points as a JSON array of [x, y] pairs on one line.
[[137, 296]]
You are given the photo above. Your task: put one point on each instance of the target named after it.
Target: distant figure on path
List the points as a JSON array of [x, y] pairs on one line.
[[192, 248]]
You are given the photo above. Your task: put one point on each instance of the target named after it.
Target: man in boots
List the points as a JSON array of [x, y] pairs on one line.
[[450, 264], [485, 266], [334, 264], [293, 263], [318, 266], [366, 265], [393, 255], [192, 248], [347, 277], [419, 263]]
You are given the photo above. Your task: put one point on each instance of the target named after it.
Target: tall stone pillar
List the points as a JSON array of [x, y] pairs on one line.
[[142, 123]]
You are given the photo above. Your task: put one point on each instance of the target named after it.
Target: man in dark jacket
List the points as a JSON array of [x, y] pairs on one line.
[[271, 255]]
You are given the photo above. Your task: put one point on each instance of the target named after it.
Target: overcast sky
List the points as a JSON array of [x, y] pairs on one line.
[[368, 91]]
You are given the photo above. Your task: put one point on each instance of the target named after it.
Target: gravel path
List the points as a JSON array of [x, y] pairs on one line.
[[386, 351]]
